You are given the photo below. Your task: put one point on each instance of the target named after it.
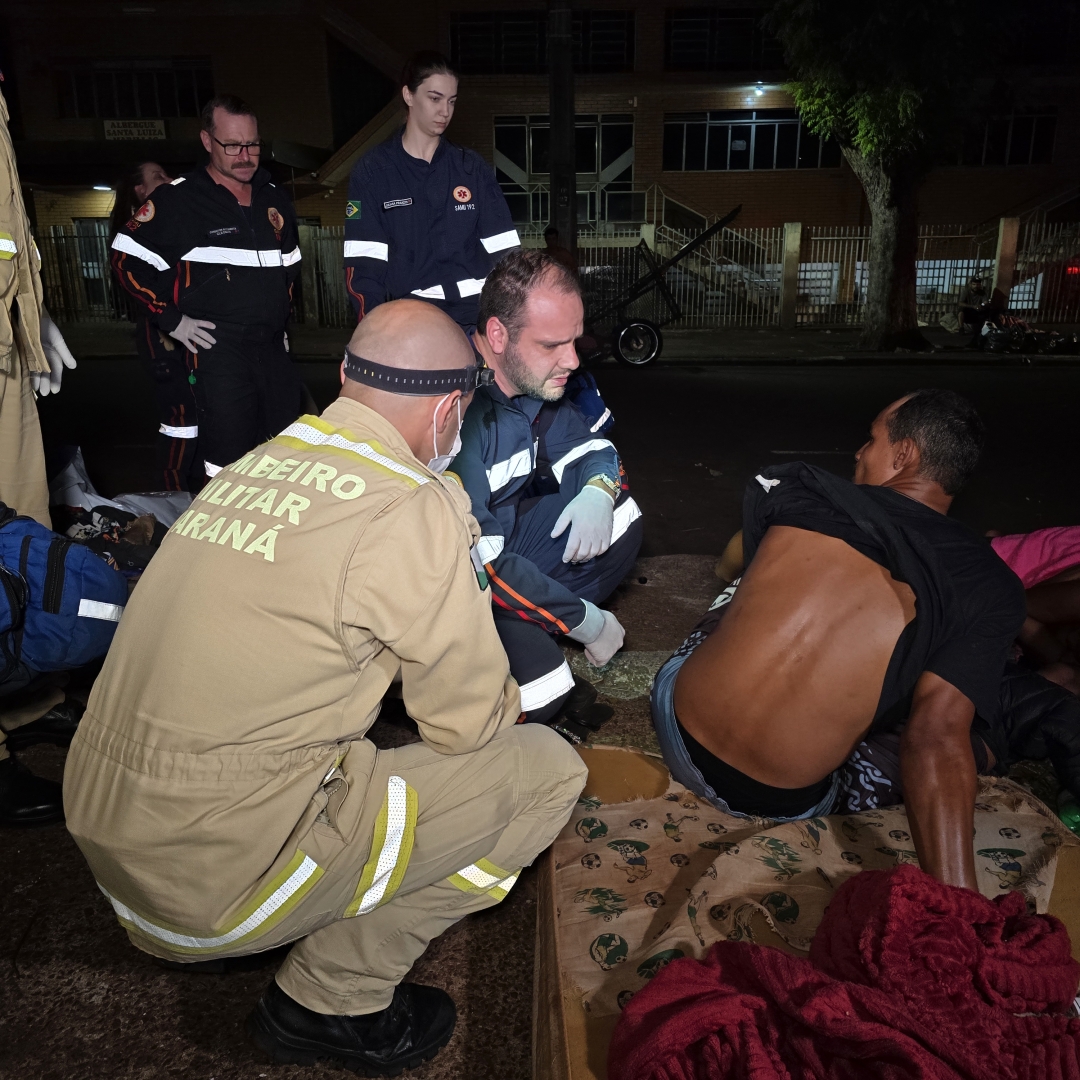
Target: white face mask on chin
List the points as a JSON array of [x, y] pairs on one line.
[[440, 462]]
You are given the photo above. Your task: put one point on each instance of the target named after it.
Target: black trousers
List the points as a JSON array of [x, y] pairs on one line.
[[178, 462], [536, 660], [248, 390]]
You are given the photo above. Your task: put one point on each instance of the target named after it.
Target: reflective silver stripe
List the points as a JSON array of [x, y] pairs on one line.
[[470, 286], [559, 467], [397, 817], [543, 691], [290, 257], [7, 244], [211, 469], [234, 256], [500, 241], [95, 609], [179, 432], [267, 908], [480, 878], [306, 433], [490, 548], [366, 249], [502, 472], [625, 514], [503, 887], [601, 422], [123, 242], [178, 180], [434, 293]]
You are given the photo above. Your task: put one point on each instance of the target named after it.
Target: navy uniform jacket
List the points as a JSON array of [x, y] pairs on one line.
[[498, 465], [429, 230], [192, 249]]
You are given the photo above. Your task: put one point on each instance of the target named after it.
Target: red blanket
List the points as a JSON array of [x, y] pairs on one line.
[[906, 978]]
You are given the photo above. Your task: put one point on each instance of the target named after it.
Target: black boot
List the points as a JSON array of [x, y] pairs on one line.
[[412, 1029], [57, 726], [26, 799], [582, 707]]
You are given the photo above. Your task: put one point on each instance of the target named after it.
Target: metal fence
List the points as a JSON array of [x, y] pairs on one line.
[[1047, 277], [734, 280], [77, 279]]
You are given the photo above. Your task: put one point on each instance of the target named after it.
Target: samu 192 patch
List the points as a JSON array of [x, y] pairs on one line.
[[352, 209]]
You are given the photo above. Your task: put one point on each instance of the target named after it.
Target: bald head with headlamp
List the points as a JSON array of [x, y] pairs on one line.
[[412, 365]]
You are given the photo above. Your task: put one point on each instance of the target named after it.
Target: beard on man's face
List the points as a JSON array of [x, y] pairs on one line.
[[524, 380]]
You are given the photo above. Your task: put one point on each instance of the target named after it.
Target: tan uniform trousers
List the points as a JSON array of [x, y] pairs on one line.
[[26, 712], [488, 813], [22, 457]]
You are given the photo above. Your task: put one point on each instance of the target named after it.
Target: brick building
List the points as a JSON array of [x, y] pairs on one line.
[[682, 95]]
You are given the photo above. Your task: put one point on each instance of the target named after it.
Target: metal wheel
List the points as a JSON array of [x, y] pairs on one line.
[[638, 343]]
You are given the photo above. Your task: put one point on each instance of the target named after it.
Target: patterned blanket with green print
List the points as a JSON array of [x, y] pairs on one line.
[[641, 883]]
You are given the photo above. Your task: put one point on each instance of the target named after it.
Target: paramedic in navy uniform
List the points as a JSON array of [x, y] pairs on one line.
[[424, 218]]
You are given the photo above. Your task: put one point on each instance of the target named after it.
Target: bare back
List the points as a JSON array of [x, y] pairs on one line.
[[790, 680]]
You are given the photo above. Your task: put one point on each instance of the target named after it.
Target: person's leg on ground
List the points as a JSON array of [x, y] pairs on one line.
[[538, 665], [229, 423], [280, 389], [479, 818], [178, 422]]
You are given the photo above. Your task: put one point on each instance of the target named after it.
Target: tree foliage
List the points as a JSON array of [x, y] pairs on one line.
[[889, 79]]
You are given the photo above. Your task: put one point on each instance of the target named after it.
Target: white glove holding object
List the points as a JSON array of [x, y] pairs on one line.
[[610, 641], [590, 516], [192, 333], [58, 355]]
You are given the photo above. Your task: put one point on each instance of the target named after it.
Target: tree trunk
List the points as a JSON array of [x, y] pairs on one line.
[[889, 319]]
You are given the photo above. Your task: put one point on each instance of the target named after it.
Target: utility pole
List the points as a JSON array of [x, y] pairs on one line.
[[561, 92]]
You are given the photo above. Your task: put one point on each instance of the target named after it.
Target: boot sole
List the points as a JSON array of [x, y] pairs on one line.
[[284, 1049]]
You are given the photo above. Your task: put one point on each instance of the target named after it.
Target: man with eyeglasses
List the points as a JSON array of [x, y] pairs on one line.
[[213, 257]]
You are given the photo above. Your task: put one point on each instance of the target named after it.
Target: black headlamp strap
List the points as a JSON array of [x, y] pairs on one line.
[[414, 381]]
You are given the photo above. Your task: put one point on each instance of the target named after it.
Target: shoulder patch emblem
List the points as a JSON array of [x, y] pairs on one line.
[[462, 193], [145, 213], [276, 220], [352, 209]]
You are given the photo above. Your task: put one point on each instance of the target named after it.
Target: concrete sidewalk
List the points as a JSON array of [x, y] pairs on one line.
[[742, 345]]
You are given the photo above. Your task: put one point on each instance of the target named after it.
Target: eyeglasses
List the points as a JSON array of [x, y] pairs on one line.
[[232, 149]]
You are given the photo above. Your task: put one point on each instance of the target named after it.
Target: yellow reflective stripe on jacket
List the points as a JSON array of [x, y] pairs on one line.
[[266, 909], [485, 876], [8, 248], [391, 849], [311, 433]]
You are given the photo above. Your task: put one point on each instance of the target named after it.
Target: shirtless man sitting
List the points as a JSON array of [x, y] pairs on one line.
[[818, 645]]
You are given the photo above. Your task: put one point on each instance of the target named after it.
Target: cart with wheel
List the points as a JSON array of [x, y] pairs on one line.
[[627, 304]]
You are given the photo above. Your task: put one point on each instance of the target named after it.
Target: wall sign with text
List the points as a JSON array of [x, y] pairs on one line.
[[134, 129]]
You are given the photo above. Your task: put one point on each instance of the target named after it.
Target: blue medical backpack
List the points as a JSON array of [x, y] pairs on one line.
[[59, 602]]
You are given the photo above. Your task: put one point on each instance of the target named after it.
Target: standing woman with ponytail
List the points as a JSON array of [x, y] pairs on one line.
[[179, 466], [425, 218]]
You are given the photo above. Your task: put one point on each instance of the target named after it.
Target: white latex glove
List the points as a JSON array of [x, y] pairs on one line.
[[58, 355], [610, 641], [192, 333], [590, 517]]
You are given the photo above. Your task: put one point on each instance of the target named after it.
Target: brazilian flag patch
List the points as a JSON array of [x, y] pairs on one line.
[[352, 209]]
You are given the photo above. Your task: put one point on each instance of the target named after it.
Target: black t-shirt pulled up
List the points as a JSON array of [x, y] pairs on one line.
[[969, 606]]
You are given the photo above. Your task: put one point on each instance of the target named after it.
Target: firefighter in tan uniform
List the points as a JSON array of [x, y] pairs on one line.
[[33, 356], [220, 785]]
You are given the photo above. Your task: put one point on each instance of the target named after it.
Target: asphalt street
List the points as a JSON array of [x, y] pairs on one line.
[[692, 435]]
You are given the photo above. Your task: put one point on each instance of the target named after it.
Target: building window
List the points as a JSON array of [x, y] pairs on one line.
[[604, 160], [515, 42], [105, 89], [1025, 138], [751, 139], [719, 39]]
